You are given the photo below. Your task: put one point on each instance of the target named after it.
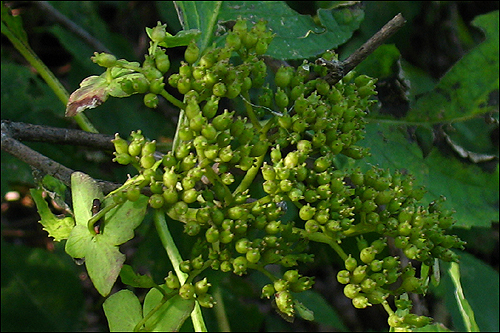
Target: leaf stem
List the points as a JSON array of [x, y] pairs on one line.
[[172, 99], [47, 75], [175, 257], [250, 175]]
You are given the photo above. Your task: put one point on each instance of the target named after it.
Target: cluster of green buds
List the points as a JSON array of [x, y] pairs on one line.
[[288, 139], [198, 290]]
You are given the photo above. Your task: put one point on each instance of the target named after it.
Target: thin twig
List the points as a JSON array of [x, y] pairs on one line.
[[72, 26], [339, 69], [42, 162], [40, 133]]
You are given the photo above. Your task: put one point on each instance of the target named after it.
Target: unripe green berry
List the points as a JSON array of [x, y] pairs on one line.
[[240, 265], [367, 255], [351, 263], [219, 89], [268, 291], [147, 161], [187, 291], [192, 52], [351, 290], [343, 276], [156, 201], [206, 300], [360, 302], [133, 193], [172, 281], [104, 59]]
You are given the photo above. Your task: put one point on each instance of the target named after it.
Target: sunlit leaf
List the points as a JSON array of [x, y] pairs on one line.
[[123, 311]]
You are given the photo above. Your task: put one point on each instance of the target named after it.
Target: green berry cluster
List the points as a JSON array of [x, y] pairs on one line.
[[198, 290], [288, 139]]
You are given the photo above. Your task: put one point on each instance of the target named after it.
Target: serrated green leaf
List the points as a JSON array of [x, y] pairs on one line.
[[58, 228], [129, 277], [56, 190], [171, 315], [297, 36], [123, 311], [470, 87], [102, 256]]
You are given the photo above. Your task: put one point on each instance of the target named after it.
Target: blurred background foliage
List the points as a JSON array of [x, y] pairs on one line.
[[42, 289]]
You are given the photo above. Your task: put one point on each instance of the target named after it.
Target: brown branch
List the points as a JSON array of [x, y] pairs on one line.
[[338, 69], [11, 131], [40, 133]]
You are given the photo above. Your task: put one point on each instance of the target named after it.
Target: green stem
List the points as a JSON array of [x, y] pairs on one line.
[[220, 311], [47, 75], [250, 176], [251, 114], [172, 99], [176, 259], [322, 238]]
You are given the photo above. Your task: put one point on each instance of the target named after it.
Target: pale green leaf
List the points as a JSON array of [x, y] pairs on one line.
[[104, 262], [131, 278], [84, 191], [58, 228], [120, 222], [171, 315], [123, 311]]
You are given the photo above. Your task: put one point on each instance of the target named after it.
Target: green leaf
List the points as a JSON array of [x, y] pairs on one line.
[[297, 36], [464, 306], [470, 86], [123, 311], [58, 228], [102, 256], [182, 38], [120, 222], [132, 279], [104, 262], [84, 190], [14, 24], [171, 315], [200, 15], [480, 287]]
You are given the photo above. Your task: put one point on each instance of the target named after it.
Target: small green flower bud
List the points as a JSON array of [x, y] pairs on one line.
[[104, 59], [172, 281], [187, 291], [192, 52], [267, 291], [206, 300]]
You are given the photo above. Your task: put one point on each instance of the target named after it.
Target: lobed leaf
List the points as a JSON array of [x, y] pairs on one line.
[[58, 228]]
